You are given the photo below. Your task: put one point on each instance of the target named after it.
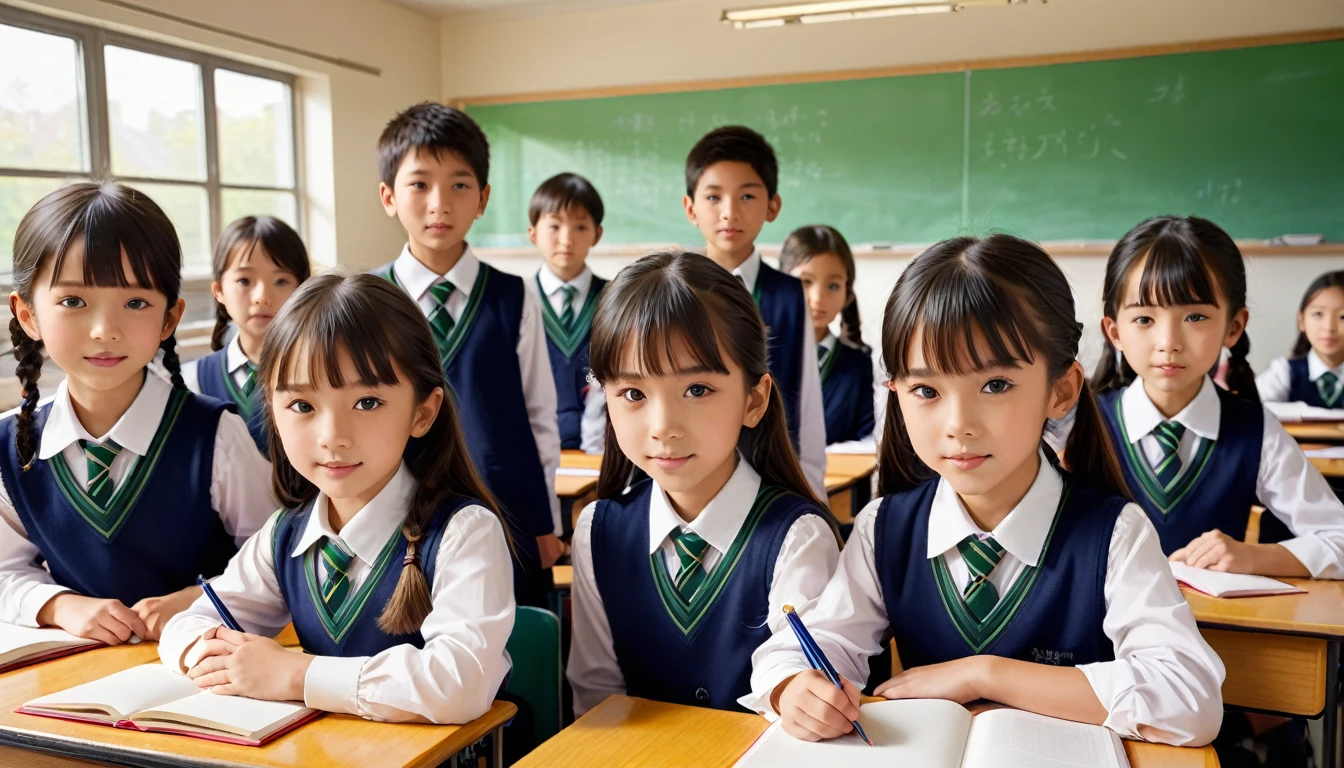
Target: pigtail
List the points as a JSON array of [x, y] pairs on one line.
[[617, 471], [411, 601], [28, 351], [218, 337], [171, 362], [899, 468], [1302, 347], [850, 329], [1240, 377], [1113, 371], [1091, 456], [769, 451]]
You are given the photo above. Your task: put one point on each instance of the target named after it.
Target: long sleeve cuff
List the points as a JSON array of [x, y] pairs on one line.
[[764, 683], [180, 646], [1317, 555], [332, 684], [34, 599], [1140, 704]]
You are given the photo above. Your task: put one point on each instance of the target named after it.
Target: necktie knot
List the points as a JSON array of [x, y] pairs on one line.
[[250, 383], [1169, 434], [691, 552], [336, 583], [100, 457], [567, 311], [981, 557], [441, 291], [1328, 385], [1168, 468], [440, 319]]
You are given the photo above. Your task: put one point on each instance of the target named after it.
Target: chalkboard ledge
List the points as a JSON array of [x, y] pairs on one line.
[[906, 251]]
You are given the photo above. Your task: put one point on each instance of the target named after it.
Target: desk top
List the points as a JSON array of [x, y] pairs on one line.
[[625, 731], [331, 740], [1328, 467], [1319, 612], [1316, 430]]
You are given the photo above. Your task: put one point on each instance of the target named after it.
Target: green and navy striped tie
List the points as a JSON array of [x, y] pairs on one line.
[[250, 384], [336, 584], [1168, 467], [440, 320], [567, 316], [100, 456], [691, 551], [1328, 386], [981, 557]]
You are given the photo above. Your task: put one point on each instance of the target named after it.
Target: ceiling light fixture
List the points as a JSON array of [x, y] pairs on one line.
[[844, 10]]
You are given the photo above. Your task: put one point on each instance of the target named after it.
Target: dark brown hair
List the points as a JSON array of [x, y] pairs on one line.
[[1188, 261], [110, 217], [677, 295], [1011, 292], [563, 191], [1328, 280], [733, 144], [806, 243], [387, 337], [434, 128], [280, 242]]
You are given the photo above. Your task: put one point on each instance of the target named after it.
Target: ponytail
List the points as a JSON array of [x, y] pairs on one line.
[[899, 468], [171, 362], [222, 320], [1240, 377], [1302, 347], [850, 325], [28, 351], [1091, 456], [1113, 371]]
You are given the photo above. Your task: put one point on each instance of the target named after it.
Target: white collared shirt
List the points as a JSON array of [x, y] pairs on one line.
[[240, 487], [811, 415], [1164, 676], [235, 362], [1288, 483], [1274, 383], [453, 679], [534, 362], [867, 443], [553, 288], [804, 564]]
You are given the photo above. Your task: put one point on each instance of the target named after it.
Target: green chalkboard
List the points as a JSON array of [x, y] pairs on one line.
[[1250, 138]]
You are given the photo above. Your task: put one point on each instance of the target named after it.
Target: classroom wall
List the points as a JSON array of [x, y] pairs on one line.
[[343, 111]]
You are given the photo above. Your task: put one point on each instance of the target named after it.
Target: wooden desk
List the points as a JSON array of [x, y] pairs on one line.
[[624, 731], [1281, 653], [1329, 431], [1332, 468], [575, 492], [331, 740]]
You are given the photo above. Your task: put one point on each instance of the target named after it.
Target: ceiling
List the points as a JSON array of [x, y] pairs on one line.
[[514, 7]]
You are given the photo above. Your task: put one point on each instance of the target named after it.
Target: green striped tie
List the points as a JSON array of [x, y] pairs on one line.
[[1168, 467], [567, 316], [691, 551], [980, 557], [1328, 386], [250, 385], [100, 456], [440, 320], [335, 585]]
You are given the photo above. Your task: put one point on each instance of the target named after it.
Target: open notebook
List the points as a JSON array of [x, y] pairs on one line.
[[1218, 584], [20, 646], [1303, 412], [152, 697], [932, 733]]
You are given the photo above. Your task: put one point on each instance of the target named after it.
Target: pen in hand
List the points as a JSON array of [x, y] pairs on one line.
[[819, 661], [223, 610]]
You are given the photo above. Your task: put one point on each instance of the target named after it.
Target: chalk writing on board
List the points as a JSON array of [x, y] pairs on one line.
[[1222, 192], [1018, 104], [1169, 93]]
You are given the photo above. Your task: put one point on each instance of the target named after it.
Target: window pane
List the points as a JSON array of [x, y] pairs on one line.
[[154, 115], [17, 195], [41, 118], [256, 132], [238, 203], [189, 210]]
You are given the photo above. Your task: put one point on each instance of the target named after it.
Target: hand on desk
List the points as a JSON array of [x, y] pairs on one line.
[[107, 621], [238, 664], [156, 611], [956, 680], [550, 548], [1216, 551], [812, 708]]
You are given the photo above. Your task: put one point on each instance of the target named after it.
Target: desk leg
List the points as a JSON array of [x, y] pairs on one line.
[[1330, 736], [497, 748]]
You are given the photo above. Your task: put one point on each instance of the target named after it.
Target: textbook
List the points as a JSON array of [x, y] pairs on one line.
[[1218, 584], [152, 697], [1295, 412], [21, 646], [933, 733]]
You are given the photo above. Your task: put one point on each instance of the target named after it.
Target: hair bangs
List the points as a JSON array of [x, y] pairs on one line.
[[314, 345], [665, 311], [1175, 273], [113, 221]]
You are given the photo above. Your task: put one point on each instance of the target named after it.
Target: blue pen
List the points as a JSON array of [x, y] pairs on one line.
[[819, 661], [224, 614]]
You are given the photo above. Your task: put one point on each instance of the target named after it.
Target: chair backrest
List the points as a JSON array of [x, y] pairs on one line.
[[538, 674]]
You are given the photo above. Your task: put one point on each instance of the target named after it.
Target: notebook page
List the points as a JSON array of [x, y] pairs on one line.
[[1295, 411], [1011, 738], [125, 692], [1217, 583], [17, 642], [232, 714], [916, 732]]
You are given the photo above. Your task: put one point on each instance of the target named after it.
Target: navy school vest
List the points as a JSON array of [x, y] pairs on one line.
[[568, 350], [697, 654], [847, 393], [1217, 487], [784, 310], [213, 378], [354, 630], [487, 385], [1052, 614], [1301, 388], [162, 530]]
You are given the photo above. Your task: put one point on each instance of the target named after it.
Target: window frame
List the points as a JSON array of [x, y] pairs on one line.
[[96, 153]]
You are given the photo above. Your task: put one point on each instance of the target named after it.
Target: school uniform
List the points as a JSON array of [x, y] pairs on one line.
[[1230, 454], [567, 310], [648, 625], [187, 486], [846, 374], [226, 374], [792, 351], [1079, 581], [447, 672], [496, 361], [1305, 379]]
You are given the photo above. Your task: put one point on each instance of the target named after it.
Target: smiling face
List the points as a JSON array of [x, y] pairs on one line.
[[252, 290], [1323, 322], [730, 206], [436, 198]]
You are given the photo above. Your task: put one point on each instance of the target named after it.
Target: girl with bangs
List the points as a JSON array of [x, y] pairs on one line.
[[1198, 457], [389, 559], [705, 526], [1002, 576], [125, 485]]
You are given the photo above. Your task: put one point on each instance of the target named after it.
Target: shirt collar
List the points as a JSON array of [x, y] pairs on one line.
[[417, 278], [1022, 533], [720, 520], [750, 269], [368, 531], [828, 343], [234, 357], [1316, 366], [551, 284], [134, 431], [1201, 416]]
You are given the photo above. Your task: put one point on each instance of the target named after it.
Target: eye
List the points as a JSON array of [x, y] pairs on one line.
[[807, 282], [460, 186], [923, 392], [282, 281], [749, 196], [555, 228], [367, 403], [997, 386], [632, 395], [137, 304], [833, 287], [698, 390], [301, 406], [419, 185], [243, 281], [1195, 317], [72, 302], [1142, 320], [712, 198]]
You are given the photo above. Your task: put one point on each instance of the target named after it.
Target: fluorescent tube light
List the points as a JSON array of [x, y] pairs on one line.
[[843, 10]]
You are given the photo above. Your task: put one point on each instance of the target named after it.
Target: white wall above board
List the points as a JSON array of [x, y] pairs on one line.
[[456, 8]]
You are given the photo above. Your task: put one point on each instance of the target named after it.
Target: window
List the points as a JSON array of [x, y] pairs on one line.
[[208, 139]]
